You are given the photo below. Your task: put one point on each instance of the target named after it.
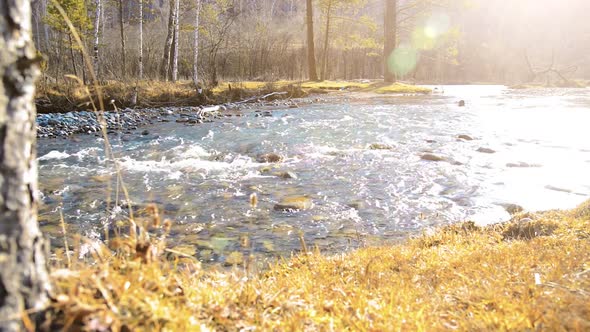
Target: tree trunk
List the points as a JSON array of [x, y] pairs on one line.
[[23, 251], [165, 71], [196, 46], [96, 34], [390, 34], [72, 55], [313, 75], [141, 39], [326, 39], [176, 35], [123, 49]]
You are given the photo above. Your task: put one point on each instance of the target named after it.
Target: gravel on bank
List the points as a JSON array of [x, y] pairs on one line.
[[56, 125]]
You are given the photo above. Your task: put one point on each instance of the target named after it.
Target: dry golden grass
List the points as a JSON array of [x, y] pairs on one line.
[[71, 96], [532, 273], [403, 89]]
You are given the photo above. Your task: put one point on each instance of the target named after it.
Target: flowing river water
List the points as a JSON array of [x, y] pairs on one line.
[[357, 157]]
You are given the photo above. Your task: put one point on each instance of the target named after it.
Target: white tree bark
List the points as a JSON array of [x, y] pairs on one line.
[[176, 35], [23, 251], [96, 37], [196, 45], [141, 39], [165, 69]]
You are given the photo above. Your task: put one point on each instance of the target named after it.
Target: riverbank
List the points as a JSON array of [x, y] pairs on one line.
[[65, 110], [527, 274]]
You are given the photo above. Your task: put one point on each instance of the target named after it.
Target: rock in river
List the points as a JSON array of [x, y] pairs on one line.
[[511, 208], [465, 137], [485, 150], [431, 157], [287, 175], [294, 203], [380, 146], [269, 158]]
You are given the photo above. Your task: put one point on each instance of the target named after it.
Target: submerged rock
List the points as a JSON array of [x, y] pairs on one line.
[[522, 165], [465, 137], [431, 157], [486, 150], [294, 203], [287, 175], [269, 158], [380, 146]]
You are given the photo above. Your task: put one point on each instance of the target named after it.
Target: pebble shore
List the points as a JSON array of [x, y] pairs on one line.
[[56, 125]]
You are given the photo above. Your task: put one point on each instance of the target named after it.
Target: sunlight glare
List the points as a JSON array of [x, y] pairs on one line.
[[402, 60], [436, 25]]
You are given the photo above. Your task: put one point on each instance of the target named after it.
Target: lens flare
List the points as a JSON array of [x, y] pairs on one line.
[[421, 40], [402, 60], [436, 25]]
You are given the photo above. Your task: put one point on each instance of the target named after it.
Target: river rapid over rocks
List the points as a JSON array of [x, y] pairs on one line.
[[356, 169]]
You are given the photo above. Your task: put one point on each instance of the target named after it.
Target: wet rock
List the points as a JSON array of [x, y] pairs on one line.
[[269, 158], [294, 203], [287, 175], [465, 137], [145, 132], [521, 165], [430, 141], [511, 208], [431, 157], [563, 190], [485, 150], [380, 146], [461, 103], [357, 205]]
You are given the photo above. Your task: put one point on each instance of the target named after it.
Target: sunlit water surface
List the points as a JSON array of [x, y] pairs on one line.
[[202, 176]]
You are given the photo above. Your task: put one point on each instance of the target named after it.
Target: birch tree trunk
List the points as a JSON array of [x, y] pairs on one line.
[[176, 34], [165, 71], [390, 34], [123, 49], [326, 40], [196, 46], [141, 39], [23, 251], [96, 39], [313, 75]]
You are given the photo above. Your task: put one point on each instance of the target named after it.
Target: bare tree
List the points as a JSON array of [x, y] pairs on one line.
[[123, 49], [96, 35], [23, 271], [140, 39], [165, 69], [196, 45], [313, 75], [324, 68], [176, 35]]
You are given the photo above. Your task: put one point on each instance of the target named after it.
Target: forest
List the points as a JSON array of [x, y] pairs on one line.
[[435, 41]]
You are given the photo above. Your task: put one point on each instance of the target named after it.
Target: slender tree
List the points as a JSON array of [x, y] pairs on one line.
[[390, 35], [165, 69], [313, 75], [196, 44], [141, 39], [326, 40], [23, 251], [123, 48], [176, 35], [97, 24]]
